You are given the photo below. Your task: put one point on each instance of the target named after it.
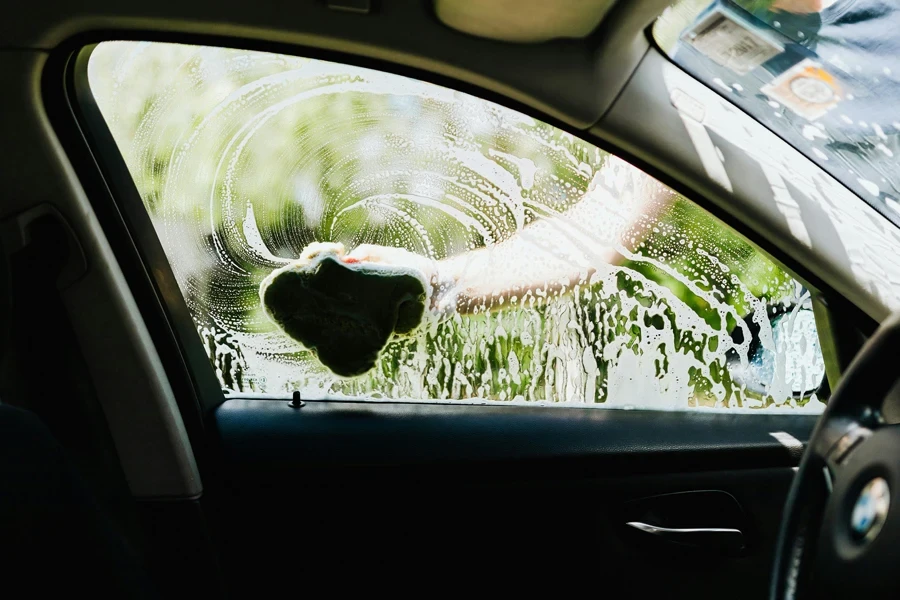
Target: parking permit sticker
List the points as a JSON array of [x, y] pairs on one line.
[[730, 44], [807, 89]]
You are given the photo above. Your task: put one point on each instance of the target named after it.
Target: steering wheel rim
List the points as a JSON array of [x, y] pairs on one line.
[[839, 523]]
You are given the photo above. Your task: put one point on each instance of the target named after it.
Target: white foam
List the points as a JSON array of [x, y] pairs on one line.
[[271, 157]]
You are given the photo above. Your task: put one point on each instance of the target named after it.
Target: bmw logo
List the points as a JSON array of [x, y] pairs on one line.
[[870, 510]]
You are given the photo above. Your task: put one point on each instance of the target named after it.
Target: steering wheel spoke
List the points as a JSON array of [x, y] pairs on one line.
[[842, 437]]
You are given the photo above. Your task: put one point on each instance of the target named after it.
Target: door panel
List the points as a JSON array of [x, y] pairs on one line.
[[376, 494]]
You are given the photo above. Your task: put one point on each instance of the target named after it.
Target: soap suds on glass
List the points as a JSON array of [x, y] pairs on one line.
[[243, 159]]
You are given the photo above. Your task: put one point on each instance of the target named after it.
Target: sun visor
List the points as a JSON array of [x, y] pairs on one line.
[[524, 21]]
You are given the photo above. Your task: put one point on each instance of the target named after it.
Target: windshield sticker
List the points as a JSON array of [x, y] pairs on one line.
[[730, 44], [807, 89]]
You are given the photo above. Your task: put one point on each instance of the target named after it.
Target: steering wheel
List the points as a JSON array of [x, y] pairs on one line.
[[840, 534]]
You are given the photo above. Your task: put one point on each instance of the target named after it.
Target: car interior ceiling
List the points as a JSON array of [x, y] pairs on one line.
[[348, 495]]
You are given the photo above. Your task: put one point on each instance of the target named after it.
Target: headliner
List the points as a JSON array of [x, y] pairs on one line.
[[571, 80]]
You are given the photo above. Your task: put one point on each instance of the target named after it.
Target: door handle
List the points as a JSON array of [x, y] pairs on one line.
[[710, 538]]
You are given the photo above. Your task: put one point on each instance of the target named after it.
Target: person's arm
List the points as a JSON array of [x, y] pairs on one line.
[[558, 252], [553, 254]]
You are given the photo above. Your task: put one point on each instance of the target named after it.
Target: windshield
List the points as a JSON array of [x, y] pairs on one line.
[[822, 74]]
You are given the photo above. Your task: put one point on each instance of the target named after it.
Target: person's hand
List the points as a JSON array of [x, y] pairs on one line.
[[441, 275], [801, 7], [374, 254]]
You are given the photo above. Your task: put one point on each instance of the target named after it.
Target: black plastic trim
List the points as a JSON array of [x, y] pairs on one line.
[[90, 149], [258, 436]]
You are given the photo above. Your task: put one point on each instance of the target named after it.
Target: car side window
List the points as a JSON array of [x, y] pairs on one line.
[[346, 232]]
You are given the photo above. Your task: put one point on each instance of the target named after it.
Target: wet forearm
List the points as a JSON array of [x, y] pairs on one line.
[[552, 255]]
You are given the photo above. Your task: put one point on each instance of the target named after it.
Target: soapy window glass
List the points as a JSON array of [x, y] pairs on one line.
[[552, 272], [822, 74]]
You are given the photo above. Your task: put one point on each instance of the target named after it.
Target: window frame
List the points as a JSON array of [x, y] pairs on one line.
[[76, 119]]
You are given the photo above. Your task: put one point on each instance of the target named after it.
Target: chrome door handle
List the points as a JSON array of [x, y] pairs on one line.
[[718, 538]]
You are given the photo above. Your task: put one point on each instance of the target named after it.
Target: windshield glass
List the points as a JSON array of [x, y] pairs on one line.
[[822, 74]]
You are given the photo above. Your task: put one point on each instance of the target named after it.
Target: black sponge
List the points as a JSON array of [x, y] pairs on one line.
[[345, 312]]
